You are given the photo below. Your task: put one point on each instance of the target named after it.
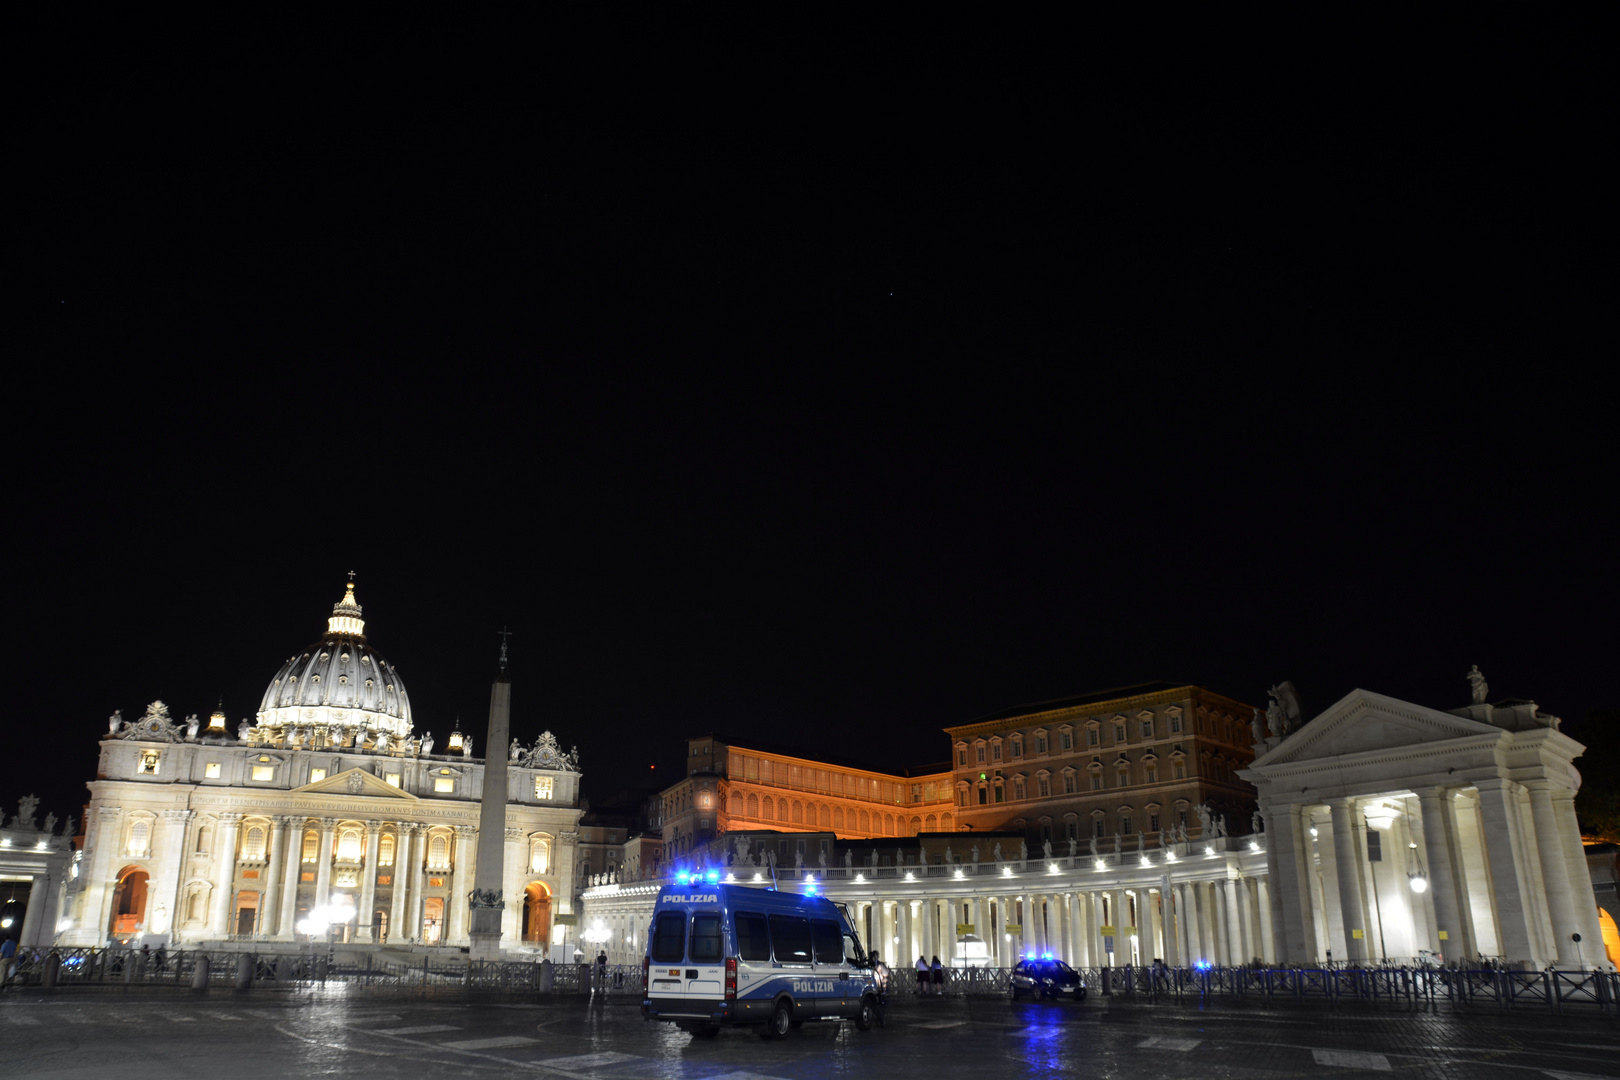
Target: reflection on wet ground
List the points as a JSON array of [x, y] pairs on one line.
[[341, 1032]]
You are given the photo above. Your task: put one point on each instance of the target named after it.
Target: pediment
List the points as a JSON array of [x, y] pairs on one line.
[[357, 783], [1363, 722]]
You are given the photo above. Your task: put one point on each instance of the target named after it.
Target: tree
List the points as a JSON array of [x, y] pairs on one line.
[[1597, 804]]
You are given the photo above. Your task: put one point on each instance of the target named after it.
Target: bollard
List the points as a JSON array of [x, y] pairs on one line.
[[129, 968], [1107, 982], [199, 976], [548, 976], [244, 971], [53, 971]]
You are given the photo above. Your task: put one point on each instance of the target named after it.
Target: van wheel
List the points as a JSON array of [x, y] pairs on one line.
[[867, 1016], [781, 1021], [705, 1031]]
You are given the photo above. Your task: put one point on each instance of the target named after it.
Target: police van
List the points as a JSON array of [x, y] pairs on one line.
[[721, 954]]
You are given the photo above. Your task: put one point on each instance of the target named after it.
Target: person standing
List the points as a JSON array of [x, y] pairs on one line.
[[923, 975], [939, 978], [880, 976]]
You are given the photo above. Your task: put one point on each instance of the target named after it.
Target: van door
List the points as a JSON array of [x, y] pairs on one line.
[[666, 955], [792, 949], [832, 973], [706, 958]]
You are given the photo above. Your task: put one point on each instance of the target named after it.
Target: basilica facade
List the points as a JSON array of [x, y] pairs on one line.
[[326, 817]]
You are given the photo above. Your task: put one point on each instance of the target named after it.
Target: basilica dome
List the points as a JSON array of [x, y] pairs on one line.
[[339, 681]]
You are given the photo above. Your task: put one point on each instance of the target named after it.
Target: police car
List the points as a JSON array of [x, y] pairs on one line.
[[721, 954]]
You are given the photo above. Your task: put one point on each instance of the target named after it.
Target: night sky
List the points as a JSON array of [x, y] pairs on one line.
[[822, 417]]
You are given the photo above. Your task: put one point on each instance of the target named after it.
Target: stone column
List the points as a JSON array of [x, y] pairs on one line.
[[457, 915], [168, 856], [1580, 878], [105, 845], [1507, 869], [515, 875], [292, 873], [416, 910], [323, 864], [1287, 864], [1119, 908], [1151, 950], [1349, 875], [1169, 921], [269, 921], [1073, 939], [38, 891], [1442, 884], [368, 883], [1554, 875], [1237, 922], [404, 840], [225, 871], [1201, 948], [1264, 912]]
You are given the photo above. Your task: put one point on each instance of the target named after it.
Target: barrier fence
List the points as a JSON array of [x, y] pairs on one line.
[[1558, 991]]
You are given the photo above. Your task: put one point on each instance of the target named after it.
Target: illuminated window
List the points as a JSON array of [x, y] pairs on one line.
[[140, 836], [211, 770], [443, 783], [385, 851], [264, 772], [393, 779], [439, 852], [316, 775], [149, 762], [349, 845], [539, 856], [312, 843], [542, 787], [253, 843]]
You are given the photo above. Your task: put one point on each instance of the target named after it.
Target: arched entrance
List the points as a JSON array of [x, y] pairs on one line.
[[129, 903], [536, 914]]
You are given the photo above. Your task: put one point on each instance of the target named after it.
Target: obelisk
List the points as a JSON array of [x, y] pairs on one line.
[[486, 900]]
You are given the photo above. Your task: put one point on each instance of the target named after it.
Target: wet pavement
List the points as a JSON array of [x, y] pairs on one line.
[[339, 1033]]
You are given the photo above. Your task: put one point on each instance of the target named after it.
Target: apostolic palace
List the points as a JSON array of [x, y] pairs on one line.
[[1156, 821]]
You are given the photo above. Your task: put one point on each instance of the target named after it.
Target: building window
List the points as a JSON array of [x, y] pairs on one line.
[[264, 772], [1124, 778], [149, 763], [1147, 728], [253, 843], [1125, 825], [1175, 723], [1096, 781], [1040, 744], [539, 857], [349, 845], [317, 775], [978, 753], [961, 759], [1097, 828], [439, 852], [392, 779], [1018, 787], [1069, 785], [983, 798], [1119, 733], [1044, 785], [1000, 793], [312, 844], [961, 797], [1179, 770], [1153, 822], [1066, 740], [140, 837], [542, 787], [211, 770], [443, 784], [385, 851], [1018, 748], [1093, 736], [1375, 846], [1151, 774], [995, 751]]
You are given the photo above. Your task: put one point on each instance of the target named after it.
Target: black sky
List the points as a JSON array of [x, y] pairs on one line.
[[828, 398]]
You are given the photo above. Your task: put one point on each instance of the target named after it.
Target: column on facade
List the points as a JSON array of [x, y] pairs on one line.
[[1434, 807], [1580, 878], [269, 906], [168, 856], [105, 845], [1288, 860], [38, 891], [1554, 876], [1199, 909], [1237, 921], [514, 874], [1119, 910], [1152, 949], [976, 917], [1094, 901], [460, 885], [225, 871], [1264, 928], [931, 927], [1170, 919], [368, 883], [323, 864], [1073, 936], [292, 872], [1508, 872], [1349, 878], [416, 907], [404, 859]]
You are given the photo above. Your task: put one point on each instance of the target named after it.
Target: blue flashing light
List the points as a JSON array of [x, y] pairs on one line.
[[682, 877], [1202, 965], [1046, 956], [809, 888], [712, 876]]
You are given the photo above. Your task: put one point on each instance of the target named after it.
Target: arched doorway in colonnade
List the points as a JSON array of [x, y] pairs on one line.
[[536, 913], [129, 903]]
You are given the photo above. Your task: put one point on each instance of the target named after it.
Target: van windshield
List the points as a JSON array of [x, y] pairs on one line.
[[669, 938]]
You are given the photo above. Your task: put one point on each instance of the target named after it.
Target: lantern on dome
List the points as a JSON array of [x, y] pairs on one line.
[[455, 740], [216, 721]]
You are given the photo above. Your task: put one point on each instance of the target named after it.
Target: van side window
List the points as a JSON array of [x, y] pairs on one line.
[[829, 941], [753, 941], [706, 941], [790, 934], [669, 938]]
